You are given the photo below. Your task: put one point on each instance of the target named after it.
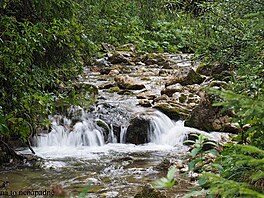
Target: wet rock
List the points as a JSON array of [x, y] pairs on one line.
[[125, 92], [105, 70], [170, 90], [114, 89], [101, 62], [126, 82], [146, 95], [168, 65], [137, 131], [185, 76], [112, 117], [117, 57], [202, 116], [179, 164], [165, 72], [122, 159], [151, 61], [149, 192], [174, 111], [144, 103], [102, 124], [161, 99], [114, 72], [107, 85], [164, 165], [208, 118]]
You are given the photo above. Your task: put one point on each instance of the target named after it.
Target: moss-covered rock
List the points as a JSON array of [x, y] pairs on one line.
[[173, 110], [149, 192]]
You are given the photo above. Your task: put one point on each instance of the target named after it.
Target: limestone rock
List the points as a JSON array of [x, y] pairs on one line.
[[170, 90], [208, 118], [117, 58], [185, 76], [144, 103], [173, 110], [146, 95], [107, 85], [126, 82]]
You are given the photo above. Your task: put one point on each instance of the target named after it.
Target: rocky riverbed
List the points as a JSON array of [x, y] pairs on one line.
[[133, 133]]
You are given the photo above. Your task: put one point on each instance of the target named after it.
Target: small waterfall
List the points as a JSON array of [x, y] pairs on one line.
[[165, 131], [123, 134], [83, 133], [111, 137], [159, 124]]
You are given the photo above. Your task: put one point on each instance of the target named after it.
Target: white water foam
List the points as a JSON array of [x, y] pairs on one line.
[[85, 139], [83, 134]]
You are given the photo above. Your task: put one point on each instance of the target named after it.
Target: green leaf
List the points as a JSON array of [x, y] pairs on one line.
[[202, 180], [212, 151], [196, 194], [189, 141], [218, 166], [257, 176], [211, 143], [171, 173], [195, 151], [192, 164]]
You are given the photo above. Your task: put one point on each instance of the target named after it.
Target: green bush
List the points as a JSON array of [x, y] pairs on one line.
[[41, 44], [241, 173]]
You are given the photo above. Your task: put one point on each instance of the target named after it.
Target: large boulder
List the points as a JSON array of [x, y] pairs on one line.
[[209, 118], [173, 109], [120, 57], [185, 76], [137, 131]]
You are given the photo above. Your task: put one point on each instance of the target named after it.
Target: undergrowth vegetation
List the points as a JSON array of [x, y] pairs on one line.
[[45, 44]]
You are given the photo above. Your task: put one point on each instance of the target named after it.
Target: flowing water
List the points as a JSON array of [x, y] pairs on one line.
[[78, 154], [78, 157]]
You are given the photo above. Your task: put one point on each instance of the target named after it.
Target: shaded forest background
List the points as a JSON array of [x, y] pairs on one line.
[[44, 45]]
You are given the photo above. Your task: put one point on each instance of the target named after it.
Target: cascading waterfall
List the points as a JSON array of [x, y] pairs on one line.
[[83, 133], [159, 125], [162, 131]]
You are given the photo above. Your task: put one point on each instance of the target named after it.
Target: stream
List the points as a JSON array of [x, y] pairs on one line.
[[79, 155]]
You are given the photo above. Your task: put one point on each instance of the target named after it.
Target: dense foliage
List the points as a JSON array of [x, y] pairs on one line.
[[40, 44], [43, 45], [233, 40]]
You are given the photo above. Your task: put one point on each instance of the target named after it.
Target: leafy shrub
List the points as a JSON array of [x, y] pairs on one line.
[[241, 173], [166, 182], [40, 48], [198, 151]]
